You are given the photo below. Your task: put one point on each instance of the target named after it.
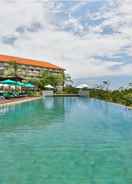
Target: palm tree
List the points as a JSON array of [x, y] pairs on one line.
[[67, 80], [121, 88], [106, 84], [130, 85], [99, 87]]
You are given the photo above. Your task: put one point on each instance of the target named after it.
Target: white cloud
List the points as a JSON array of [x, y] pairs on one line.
[[77, 49]]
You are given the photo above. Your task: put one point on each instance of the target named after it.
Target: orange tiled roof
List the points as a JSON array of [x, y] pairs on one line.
[[24, 61]]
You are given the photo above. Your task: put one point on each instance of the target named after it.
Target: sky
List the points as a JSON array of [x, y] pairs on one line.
[[91, 39]]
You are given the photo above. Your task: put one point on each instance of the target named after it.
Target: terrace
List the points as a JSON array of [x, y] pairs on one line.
[[12, 91]]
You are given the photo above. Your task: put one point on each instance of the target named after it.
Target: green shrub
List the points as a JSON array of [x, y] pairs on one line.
[[71, 90]]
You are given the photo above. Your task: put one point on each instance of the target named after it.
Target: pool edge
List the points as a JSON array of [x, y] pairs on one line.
[[20, 101]]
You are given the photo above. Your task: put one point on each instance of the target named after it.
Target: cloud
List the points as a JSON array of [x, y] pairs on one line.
[[33, 27], [85, 37], [9, 40]]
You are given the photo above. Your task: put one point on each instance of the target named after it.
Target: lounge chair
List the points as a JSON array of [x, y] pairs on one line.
[[1, 96], [8, 95]]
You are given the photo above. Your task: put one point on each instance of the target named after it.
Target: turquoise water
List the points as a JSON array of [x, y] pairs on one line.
[[66, 140]]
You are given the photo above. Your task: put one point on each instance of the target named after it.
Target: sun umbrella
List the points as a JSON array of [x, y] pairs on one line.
[[20, 84], [28, 85], [81, 86], [9, 82], [49, 86]]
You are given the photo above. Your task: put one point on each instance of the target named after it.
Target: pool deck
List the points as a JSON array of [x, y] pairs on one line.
[[17, 101]]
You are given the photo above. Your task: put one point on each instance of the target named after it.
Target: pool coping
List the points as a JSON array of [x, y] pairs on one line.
[[114, 103], [20, 101], [57, 95]]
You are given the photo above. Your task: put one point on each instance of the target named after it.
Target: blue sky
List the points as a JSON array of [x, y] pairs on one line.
[[90, 38]]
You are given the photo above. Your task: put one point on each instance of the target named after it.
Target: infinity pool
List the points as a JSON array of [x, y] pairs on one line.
[[68, 140]]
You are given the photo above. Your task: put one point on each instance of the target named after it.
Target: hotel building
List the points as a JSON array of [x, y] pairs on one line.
[[27, 69]]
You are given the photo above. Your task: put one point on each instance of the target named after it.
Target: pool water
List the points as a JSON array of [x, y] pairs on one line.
[[65, 140]]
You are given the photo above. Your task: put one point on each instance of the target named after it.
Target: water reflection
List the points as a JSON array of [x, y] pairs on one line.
[[4, 110], [48, 102], [66, 140], [32, 114], [51, 110]]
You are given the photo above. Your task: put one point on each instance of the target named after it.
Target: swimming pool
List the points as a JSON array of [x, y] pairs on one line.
[[65, 140]]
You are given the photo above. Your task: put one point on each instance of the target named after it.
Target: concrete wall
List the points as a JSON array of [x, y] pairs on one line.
[[84, 92], [48, 93]]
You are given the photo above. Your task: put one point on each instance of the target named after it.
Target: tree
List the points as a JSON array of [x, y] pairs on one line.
[[106, 85], [121, 88], [67, 80], [130, 85], [99, 87], [11, 70], [48, 78]]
